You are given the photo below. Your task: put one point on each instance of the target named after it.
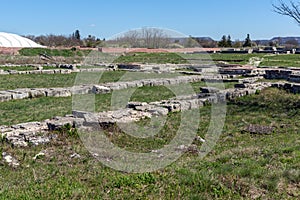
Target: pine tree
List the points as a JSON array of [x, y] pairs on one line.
[[248, 42], [223, 42], [77, 35], [229, 42]]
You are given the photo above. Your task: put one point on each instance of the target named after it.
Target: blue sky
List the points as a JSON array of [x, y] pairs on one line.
[[104, 18]]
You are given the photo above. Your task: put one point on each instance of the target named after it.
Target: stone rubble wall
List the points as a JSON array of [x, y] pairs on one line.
[[278, 74], [100, 89], [290, 87], [37, 133], [294, 78], [25, 134], [291, 75], [53, 71]]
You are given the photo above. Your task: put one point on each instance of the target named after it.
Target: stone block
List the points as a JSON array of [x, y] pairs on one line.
[[209, 90], [58, 92], [18, 95], [36, 93], [5, 96], [158, 111], [99, 89], [133, 105]]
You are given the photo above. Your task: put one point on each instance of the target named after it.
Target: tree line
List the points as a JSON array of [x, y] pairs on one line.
[[227, 42], [152, 38], [72, 40]]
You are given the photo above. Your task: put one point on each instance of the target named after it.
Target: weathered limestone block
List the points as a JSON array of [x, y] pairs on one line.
[[172, 107], [278, 74], [49, 71], [13, 72], [57, 71], [133, 105], [295, 89], [39, 140], [58, 122], [22, 134], [195, 103], [5, 96], [166, 82], [184, 105], [92, 120], [116, 86], [99, 89], [158, 111], [146, 82], [65, 71], [36, 93], [81, 89], [157, 82], [251, 91], [18, 95], [279, 85], [132, 84], [79, 114], [10, 160], [209, 90], [240, 85], [139, 83], [294, 78], [58, 92]]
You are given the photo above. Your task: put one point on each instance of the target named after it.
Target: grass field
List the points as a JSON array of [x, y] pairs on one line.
[[292, 60], [53, 52], [24, 68], [18, 111], [68, 80], [241, 166], [283, 60], [157, 58]]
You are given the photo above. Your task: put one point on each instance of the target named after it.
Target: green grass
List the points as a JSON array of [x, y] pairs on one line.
[[18, 111], [283, 60], [24, 68], [241, 166], [49, 80], [292, 60], [230, 58], [68, 80], [18, 68], [157, 58], [53, 52], [272, 60], [235, 58], [36, 81]]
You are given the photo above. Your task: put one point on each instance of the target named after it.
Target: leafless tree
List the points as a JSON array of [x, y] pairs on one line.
[[154, 38], [146, 37], [291, 10], [131, 38]]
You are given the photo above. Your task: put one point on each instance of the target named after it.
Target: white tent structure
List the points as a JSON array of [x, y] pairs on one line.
[[12, 40]]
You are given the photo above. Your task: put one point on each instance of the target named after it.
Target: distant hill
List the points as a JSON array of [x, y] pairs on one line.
[[203, 41], [284, 41], [184, 39]]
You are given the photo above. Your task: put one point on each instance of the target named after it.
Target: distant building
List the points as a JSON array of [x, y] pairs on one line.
[[9, 40]]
